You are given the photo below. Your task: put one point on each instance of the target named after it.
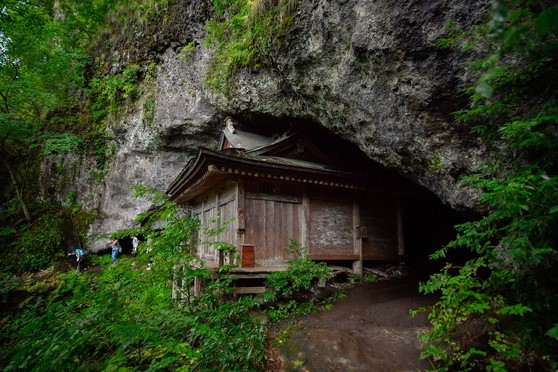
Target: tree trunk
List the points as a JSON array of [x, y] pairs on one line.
[[19, 191]]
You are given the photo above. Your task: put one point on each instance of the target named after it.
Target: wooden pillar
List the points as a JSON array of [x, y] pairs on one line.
[[177, 283], [357, 241], [201, 229], [218, 223], [175, 289], [197, 286], [240, 217], [240, 196], [305, 224], [220, 258], [400, 234], [194, 238]]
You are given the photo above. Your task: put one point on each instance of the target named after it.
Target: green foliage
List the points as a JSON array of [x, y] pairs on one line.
[[149, 110], [36, 69], [179, 229], [371, 278], [42, 60], [300, 276], [43, 242], [6, 231], [37, 244], [8, 282], [525, 30], [131, 15], [110, 91], [225, 333], [296, 250], [496, 310], [62, 143], [10, 218], [49, 100], [553, 332], [108, 94], [289, 309], [102, 148], [116, 319], [227, 250], [242, 34], [188, 49], [436, 163], [39, 67], [283, 335], [230, 337], [123, 317], [224, 247]]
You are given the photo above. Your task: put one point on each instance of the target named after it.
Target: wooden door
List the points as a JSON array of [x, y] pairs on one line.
[[271, 222]]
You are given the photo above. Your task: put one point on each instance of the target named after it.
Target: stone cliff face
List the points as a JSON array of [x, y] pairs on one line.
[[367, 70]]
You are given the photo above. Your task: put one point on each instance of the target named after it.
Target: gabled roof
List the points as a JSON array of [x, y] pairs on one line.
[[298, 157], [244, 140], [211, 168], [296, 146]]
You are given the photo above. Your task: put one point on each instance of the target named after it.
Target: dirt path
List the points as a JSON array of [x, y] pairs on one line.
[[369, 330]]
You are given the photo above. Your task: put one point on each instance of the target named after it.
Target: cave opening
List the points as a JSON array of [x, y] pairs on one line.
[[428, 223], [126, 244], [429, 226]]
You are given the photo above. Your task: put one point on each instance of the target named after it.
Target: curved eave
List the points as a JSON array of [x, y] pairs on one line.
[[186, 173], [205, 183], [211, 167]]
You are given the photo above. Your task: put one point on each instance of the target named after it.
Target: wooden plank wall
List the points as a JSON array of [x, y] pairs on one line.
[[205, 211], [227, 214], [216, 209], [324, 225], [271, 221], [331, 230]]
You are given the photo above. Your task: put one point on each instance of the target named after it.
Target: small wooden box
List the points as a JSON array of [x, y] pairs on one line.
[[361, 232], [247, 255]]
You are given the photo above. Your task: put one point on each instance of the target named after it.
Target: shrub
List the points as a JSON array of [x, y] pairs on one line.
[[496, 312], [300, 276]]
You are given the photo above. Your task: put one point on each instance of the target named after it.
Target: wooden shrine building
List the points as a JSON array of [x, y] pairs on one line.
[[299, 185]]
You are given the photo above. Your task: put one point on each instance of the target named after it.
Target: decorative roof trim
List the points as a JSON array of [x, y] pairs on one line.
[[209, 165]]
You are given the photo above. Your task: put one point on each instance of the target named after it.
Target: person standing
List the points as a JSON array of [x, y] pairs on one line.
[[115, 250], [135, 243]]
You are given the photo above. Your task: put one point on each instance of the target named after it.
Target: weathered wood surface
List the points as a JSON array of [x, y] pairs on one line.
[[259, 269], [331, 228], [216, 209], [325, 225], [248, 290], [334, 270], [247, 255], [270, 225]]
